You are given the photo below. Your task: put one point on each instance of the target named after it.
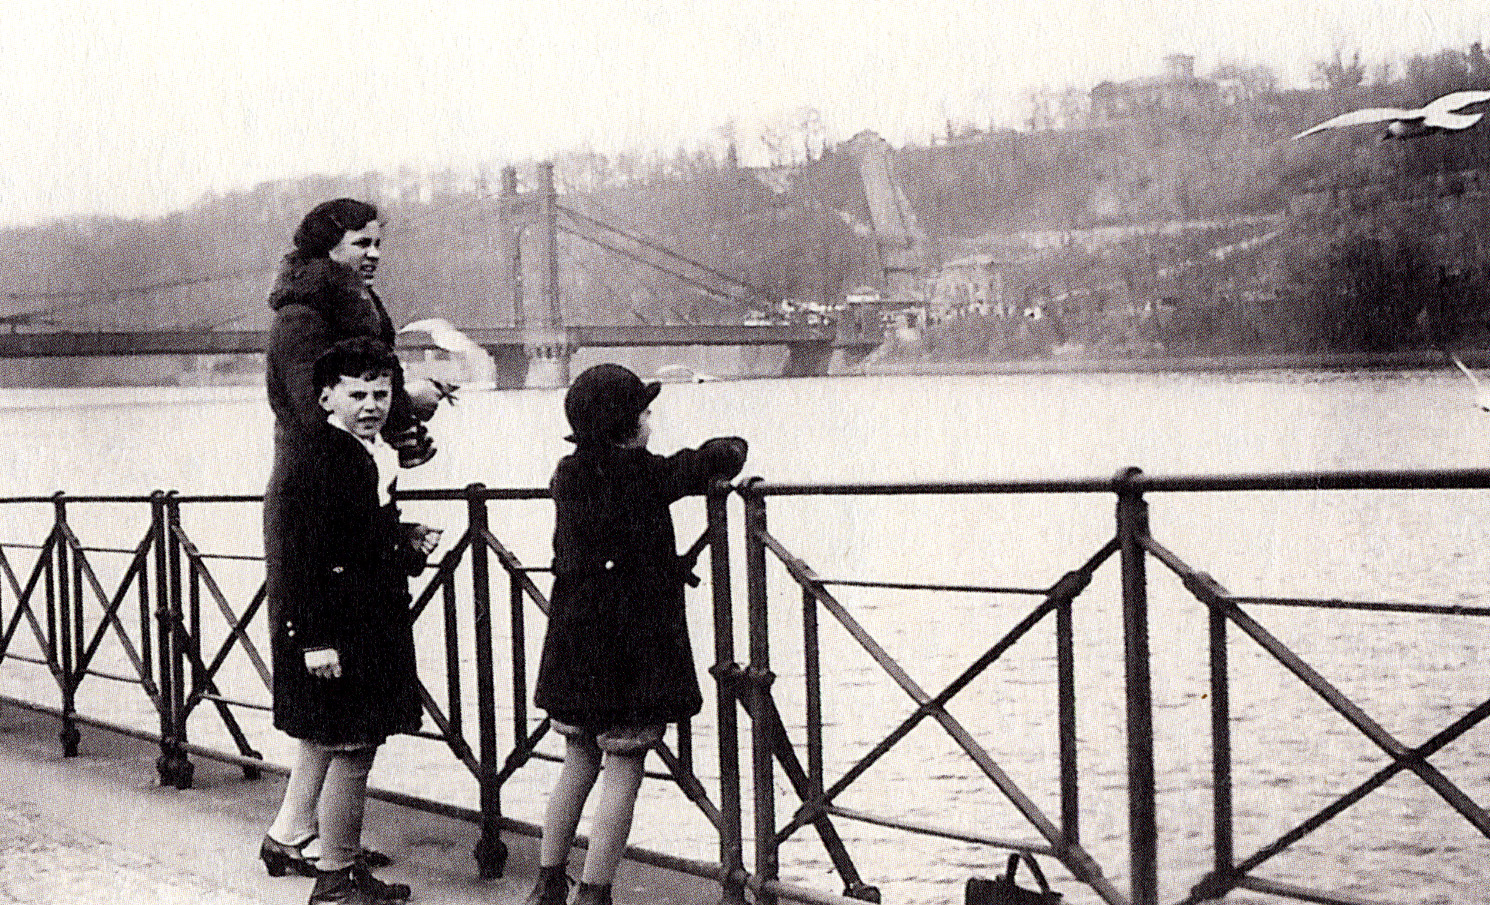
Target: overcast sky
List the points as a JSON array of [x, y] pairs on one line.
[[134, 107]]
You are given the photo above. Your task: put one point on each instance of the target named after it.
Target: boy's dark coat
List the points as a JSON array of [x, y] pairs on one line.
[[317, 302], [617, 648], [342, 584]]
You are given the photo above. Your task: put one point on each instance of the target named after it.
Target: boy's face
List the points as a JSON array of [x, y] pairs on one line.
[[359, 404]]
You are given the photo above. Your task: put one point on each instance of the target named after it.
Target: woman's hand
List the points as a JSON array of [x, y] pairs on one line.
[[426, 394], [414, 444], [323, 663]]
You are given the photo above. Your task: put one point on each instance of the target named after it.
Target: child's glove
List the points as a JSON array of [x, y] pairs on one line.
[[414, 444], [422, 538], [725, 455]]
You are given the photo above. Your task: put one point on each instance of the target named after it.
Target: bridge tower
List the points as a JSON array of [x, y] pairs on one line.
[[544, 356]]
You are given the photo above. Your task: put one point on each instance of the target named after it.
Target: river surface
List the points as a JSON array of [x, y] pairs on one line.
[[1413, 674]]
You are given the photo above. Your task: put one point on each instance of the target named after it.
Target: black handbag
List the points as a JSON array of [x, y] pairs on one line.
[[1004, 891]]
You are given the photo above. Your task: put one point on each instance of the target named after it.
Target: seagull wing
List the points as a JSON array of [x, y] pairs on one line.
[[1449, 103], [1467, 372], [429, 325], [1452, 121], [1362, 117], [1479, 392], [444, 335]]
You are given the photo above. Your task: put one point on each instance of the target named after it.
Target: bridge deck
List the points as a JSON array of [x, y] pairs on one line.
[[208, 342]]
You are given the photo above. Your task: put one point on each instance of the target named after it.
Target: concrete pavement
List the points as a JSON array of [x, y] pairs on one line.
[[98, 829]]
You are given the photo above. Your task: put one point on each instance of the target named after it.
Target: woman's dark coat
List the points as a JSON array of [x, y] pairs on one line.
[[317, 303], [343, 584], [617, 649]]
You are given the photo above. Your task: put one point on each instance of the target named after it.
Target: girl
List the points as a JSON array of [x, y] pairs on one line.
[[617, 665]]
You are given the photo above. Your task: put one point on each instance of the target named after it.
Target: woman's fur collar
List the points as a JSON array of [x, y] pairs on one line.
[[320, 283]]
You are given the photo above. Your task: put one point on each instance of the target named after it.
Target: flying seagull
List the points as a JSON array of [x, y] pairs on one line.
[[476, 363], [1431, 119]]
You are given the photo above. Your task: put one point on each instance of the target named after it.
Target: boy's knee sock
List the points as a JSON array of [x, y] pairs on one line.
[[296, 821], [612, 823], [567, 802], [342, 801]]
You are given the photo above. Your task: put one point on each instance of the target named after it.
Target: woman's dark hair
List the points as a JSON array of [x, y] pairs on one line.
[[358, 356], [327, 222]]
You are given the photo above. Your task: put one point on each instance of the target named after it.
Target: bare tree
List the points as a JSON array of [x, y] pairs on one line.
[[1337, 75]]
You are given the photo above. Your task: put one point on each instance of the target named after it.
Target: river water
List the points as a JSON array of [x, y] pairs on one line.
[[1414, 674]]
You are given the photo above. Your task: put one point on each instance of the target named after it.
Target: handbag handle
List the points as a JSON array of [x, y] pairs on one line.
[[1034, 866]]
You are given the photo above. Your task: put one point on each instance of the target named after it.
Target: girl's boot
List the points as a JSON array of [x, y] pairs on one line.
[[593, 894], [552, 887]]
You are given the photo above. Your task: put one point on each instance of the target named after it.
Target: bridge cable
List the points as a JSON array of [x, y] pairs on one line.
[[711, 290], [756, 290]]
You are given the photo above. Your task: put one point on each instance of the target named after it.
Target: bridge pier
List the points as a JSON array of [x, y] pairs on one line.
[[547, 353], [808, 359], [511, 361]]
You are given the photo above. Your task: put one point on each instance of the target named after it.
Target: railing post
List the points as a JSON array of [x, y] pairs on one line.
[[726, 674], [491, 851], [1221, 744], [1065, 668], [758, 679], [165, 765], [182, 767], [69, 629], [1132, 527]]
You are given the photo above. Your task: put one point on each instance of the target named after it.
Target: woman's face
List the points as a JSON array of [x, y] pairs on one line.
[[358, 249]]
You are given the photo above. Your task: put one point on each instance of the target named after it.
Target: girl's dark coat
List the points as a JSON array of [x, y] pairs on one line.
[[342, 584], [617, 650]]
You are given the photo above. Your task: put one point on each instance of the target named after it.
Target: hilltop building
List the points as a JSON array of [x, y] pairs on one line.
[[1178, 91]]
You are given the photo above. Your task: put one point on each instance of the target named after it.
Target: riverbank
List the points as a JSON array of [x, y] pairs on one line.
[[1425, 359]]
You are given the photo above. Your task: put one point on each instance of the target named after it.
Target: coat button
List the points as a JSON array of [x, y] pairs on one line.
[[610, 564]]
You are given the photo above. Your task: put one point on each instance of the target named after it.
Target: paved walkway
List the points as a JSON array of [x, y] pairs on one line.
[[97, 829]]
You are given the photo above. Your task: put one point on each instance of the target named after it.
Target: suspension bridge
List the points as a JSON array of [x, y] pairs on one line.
[[537, 346]]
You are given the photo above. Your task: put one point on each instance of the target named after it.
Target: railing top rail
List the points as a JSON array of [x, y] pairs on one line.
[[1136, 481], [446, 494], [1131, 480], [79, 498], [478, 491]]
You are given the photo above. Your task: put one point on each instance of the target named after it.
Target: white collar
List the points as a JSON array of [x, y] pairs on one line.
[[371, 445]]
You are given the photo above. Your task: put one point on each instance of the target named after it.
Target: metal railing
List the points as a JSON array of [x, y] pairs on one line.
[[166, 594]]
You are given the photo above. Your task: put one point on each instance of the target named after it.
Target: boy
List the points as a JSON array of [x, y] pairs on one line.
[[342, 633]]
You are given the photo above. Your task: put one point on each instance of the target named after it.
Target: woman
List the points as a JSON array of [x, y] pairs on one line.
[[322, 295]]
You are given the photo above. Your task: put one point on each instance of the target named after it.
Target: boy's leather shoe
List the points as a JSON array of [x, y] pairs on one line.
[[336, 887], [383, 892], [355, 886], [280, 859]]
